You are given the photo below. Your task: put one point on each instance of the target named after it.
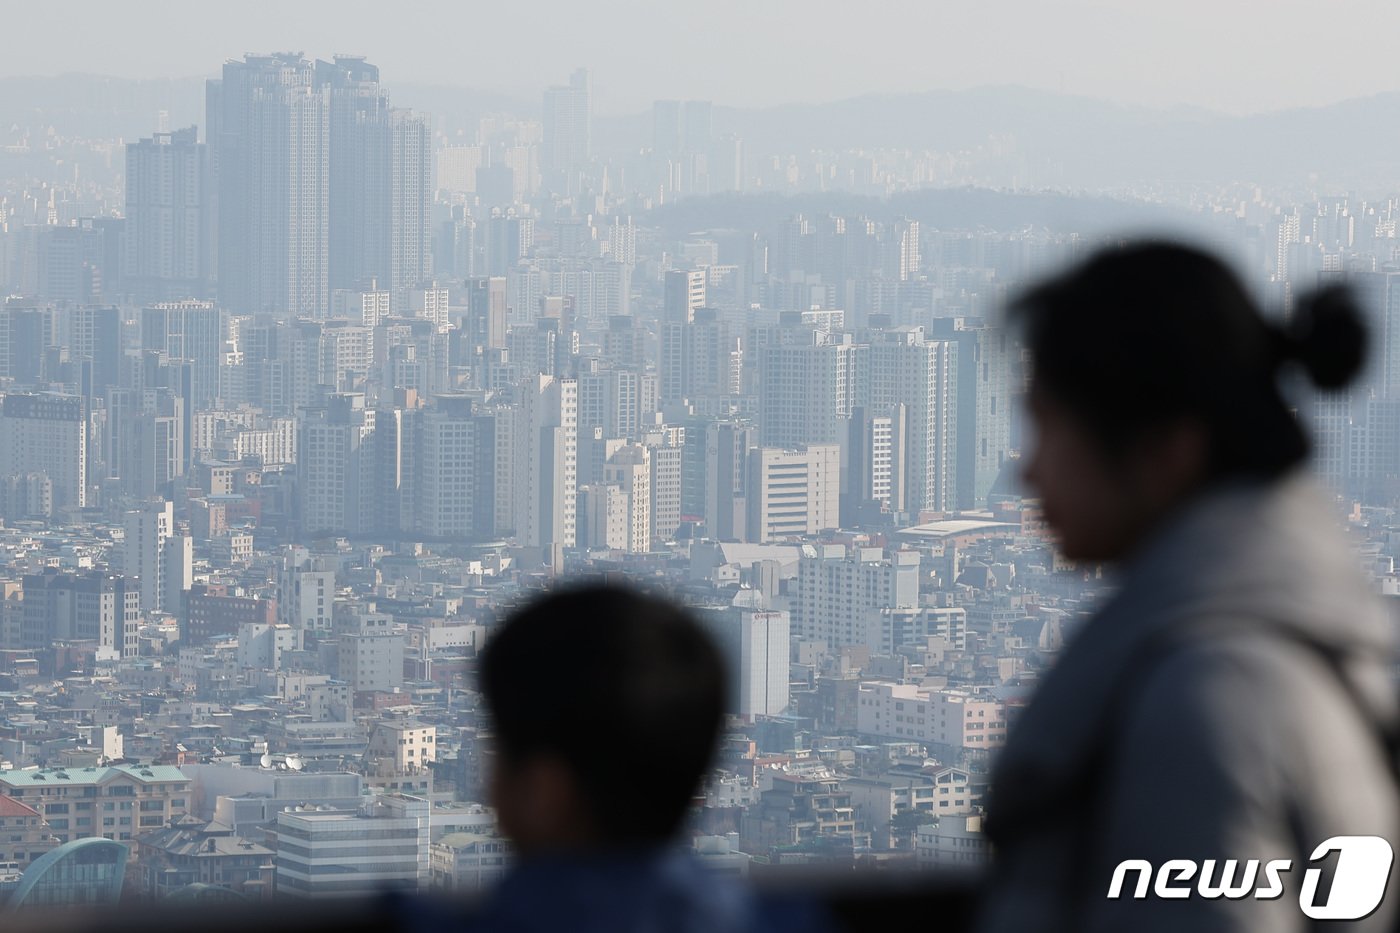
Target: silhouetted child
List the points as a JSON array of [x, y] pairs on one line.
[[607, 706]]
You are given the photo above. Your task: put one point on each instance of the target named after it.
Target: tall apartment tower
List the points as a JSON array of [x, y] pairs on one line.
[[684, 295], [546, 461], [411, 199], [568, 119], [162, 559], [360, 165], [455, 454], [629, 468], [922, 375], [983, 404], [47, 433], [269, 136], [188, 330], [336, 468], [486, 309], [807, 389], [168, 243]]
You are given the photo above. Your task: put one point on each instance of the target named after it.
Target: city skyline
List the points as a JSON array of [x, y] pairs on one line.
[[304, 393]]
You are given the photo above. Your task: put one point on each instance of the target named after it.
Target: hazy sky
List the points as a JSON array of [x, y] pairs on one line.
[[1234, 55]]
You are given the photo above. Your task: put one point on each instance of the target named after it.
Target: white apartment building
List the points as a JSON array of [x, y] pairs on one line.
[[545, 468], [838, 590], [629, 468], [949, 717], [162, 559]]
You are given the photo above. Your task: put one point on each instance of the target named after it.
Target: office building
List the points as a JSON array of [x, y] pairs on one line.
[[755, 642], [792, 492], [326, 852]]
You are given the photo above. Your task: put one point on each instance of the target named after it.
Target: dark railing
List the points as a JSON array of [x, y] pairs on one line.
[[855, 900]]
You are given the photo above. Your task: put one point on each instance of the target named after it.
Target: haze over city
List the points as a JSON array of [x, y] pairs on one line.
[[1235, 58], [338, 337]]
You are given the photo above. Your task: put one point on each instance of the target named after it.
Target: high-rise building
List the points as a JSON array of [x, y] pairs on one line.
[[808, 388], [545, 468], [873, 463], [983, 405], [725, 475], [603, 516], [755, 641], [94, 336], [922, 375], [336, 468], [455, 465], [150, 441], [360, 166], [411, 199], [567, 143], [269, 143], [629, 468], [684, 295], [486, 312], [667, 458], [156, 555], [25, 333], [168, 241], [47, 433], [902, 257], [193, 331]]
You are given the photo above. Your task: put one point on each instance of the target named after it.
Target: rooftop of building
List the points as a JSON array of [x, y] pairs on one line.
[[51, 777], [952, 527]]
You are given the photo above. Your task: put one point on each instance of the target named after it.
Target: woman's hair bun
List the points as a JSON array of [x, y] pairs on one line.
[[1327, 336]]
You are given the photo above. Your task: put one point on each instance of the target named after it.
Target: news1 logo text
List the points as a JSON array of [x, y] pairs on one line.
[[1358, 878]]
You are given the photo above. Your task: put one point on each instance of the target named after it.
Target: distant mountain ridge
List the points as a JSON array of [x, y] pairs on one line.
[[1049, 139]]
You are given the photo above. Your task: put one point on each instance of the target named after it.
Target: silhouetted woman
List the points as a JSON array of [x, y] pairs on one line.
[[1231, 700]]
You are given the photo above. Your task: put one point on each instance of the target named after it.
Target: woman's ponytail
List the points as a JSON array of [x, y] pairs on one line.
[[1326, 336]]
